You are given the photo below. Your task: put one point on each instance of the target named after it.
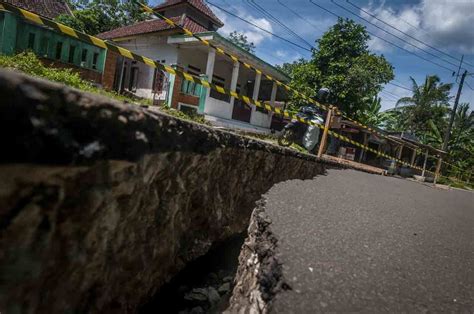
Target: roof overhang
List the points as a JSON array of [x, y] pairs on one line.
[[233, 49]]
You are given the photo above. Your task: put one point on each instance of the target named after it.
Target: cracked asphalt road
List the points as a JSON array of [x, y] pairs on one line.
[[351, 241]]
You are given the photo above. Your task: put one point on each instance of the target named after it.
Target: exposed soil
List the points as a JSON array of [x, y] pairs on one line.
[[204, 286]]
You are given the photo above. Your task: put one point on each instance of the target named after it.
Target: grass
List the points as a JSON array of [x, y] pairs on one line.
[[455, 183], [28, 62]]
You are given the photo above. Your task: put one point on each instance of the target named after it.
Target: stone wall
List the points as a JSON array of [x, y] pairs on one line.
[[101, 202]]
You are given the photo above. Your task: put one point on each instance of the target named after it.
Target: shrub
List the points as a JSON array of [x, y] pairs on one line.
[[28, 62]]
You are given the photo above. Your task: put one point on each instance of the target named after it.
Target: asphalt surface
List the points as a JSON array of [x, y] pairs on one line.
[[351, 241]]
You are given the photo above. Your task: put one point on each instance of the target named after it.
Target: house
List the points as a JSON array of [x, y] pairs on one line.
[[400, 145], [161, 42], [54, 49]]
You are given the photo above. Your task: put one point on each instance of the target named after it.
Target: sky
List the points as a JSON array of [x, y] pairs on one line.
[[436, 34]]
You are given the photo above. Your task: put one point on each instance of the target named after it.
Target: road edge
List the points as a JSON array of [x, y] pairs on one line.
[[259, 276]]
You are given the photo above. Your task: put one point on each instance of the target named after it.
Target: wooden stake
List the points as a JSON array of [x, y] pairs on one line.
[[324, 138], [362, 152], [424, 164], [438, 168]]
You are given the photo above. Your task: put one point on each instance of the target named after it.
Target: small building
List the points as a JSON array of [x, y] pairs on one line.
[[18, 34], [161, 42], [400, 145]]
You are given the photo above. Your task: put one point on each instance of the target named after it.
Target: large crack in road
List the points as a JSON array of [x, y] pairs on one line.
[[351, 241]]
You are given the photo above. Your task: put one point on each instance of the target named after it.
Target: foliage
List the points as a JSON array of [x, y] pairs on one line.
[[429, 102], [288, 68], [426, 114], [242, 41], [371, 115], [343, 63], [28, 63], [97, 16], [185, 116]]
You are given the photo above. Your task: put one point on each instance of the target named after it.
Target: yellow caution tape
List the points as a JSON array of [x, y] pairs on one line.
[[63, 29]]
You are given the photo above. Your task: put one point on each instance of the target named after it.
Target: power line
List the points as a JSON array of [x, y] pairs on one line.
[[400, 86], [259, 8], [388, 97], [468, 85], [384, 40], [259, 27], [298, 15], [406, 34], [400, 38], [391, 94]]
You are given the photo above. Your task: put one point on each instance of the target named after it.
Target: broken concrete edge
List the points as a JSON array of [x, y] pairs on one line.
[[259, 276], [43, 122], [96, 193]]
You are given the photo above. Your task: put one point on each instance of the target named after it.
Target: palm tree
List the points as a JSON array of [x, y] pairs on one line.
[[371, 115], [428, 102], [461, 143]]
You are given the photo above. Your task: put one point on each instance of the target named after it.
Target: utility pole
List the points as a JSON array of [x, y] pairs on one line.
[[453, 114]]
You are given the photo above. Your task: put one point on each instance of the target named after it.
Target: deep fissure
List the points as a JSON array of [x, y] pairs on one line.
[[204, 286]]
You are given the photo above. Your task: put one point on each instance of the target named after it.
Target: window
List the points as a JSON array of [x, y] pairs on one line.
[[72, 52], [191, 88], [219, 81], [59, 50], [95, 59], [193, 70], [84, 57], [31, 40], [44, 46]]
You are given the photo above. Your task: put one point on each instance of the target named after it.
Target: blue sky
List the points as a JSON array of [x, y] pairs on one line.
[[443, 24]]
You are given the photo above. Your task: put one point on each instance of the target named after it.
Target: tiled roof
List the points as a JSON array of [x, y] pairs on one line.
[[198, 4], [47, 8], [151, 26]]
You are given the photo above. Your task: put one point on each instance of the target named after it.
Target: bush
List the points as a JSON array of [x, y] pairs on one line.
[[28, 62], [182, 115]]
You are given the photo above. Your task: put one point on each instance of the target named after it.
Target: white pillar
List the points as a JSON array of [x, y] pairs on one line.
[[274, 94], [256, 91], [233, 82], [211, 59], [256, 87], [272, 100]]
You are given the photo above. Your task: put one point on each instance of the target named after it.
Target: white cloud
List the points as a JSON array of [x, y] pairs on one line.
[[281, 53], [444, 24], [253, 34]]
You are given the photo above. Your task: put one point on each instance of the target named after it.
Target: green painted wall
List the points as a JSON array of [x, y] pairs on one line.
[[19, 35], [9, 31]]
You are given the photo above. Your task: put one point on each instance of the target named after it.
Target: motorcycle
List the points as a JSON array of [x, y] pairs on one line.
[[301, 133]]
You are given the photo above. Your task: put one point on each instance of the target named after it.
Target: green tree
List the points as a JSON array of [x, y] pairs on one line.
[[371, 115], [429, 102], [242, 41], [343, 63], [97, 16], [288, 68]]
